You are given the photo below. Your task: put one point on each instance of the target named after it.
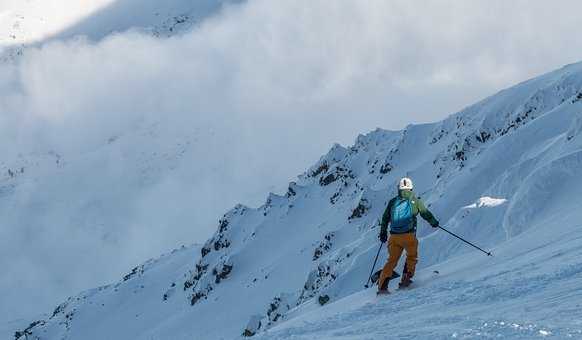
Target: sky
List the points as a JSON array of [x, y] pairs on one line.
[[261, 89]]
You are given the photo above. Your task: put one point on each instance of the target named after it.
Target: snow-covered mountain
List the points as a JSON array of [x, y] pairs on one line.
[[25, 23], [503, 173]]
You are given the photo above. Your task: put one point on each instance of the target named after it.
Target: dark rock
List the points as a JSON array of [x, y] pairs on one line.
[[328, 179], [360, 210], [248, 333], [290, 192], [221, 244], [223, 225], [323, 246], [28, 331], [188, 284], [483, 136], [276, 309], [321, 169], [253, 326], [196, 297], [338, 173], [135, 271], [222, 273], [333, 199], [60, 308], [386, 168], [460, 155]]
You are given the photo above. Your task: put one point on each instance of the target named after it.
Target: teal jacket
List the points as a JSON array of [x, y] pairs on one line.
[[418, 207]]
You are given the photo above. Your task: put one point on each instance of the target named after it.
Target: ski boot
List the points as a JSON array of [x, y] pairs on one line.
[[383, 290], [406, 280]]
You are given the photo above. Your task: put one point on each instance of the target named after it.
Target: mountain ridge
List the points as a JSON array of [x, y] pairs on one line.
[[314, 244], [149, 17]]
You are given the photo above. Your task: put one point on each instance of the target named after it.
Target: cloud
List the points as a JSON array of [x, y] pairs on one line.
[[158, 137]]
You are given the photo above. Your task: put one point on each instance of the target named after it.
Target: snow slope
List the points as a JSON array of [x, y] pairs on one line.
[[24, 22], [162, 18], [530, 289], [503, 173]]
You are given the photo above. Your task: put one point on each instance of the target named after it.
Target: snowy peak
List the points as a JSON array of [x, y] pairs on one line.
[[468, 133], [162, 19], [95, 20], [505, 167]]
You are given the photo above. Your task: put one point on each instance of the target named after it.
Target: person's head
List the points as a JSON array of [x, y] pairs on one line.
[[405, 184]]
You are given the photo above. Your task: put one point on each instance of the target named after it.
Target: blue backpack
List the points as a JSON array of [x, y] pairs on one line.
[[401, 216]]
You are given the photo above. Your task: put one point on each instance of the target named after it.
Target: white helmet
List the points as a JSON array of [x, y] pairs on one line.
[[405, 184]]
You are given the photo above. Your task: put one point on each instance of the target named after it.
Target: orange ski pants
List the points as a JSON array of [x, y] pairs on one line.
[[396, 245]]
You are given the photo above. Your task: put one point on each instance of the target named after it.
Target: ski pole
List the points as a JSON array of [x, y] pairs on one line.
[[374, 265], [462, 239]]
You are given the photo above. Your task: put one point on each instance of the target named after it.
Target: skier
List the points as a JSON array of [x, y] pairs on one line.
[[401, 214]]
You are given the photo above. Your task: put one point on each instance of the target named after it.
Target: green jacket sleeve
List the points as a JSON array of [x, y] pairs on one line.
[[425, 213], [386, 217]]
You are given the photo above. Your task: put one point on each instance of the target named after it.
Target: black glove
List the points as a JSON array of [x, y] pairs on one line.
[[383, 235], [435, 224]]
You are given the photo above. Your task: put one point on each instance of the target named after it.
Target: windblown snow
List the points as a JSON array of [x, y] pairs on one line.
[[503, 173], [486, 202]]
